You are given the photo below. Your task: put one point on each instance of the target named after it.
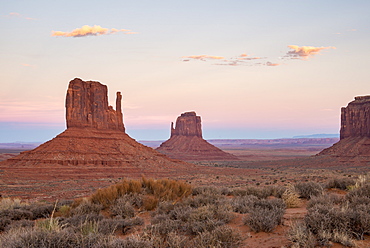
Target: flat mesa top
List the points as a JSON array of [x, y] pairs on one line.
[[362, 98]]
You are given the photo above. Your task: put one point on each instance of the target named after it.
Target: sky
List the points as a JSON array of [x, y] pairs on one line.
[[250, 69]]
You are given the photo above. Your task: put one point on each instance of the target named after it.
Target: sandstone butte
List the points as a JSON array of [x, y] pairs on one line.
[[95, 136], [186, 141], [354, 140]]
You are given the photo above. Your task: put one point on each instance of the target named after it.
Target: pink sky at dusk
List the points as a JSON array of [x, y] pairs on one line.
[[250, 69]]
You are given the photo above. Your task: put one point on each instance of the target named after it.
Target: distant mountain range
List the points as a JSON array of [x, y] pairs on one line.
[[320, 135]]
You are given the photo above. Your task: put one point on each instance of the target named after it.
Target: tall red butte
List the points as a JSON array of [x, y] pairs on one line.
[[95, 135], [354, 140], [186, 141]]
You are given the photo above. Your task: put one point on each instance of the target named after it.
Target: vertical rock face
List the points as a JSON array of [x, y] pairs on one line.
[[186, 141], [354, 144], [188, 124], [87, 106], [355, 118]]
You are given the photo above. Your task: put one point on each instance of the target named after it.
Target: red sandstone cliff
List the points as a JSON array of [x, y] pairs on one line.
[[186, 141], [354, 132], [87, 106]]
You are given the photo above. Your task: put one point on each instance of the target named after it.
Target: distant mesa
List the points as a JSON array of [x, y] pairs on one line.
[[187, 143], [354, 132], [95, 135]]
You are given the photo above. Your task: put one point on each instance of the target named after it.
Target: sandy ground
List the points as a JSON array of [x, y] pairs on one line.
[[258, 167]]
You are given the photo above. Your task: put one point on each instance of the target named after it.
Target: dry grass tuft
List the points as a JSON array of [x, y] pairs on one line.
[[291, 197]]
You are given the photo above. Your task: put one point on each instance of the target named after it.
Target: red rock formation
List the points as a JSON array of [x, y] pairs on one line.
[[186, 141], [87, 106], [355, 118], [95, 136], [354, 133], [188, 124]]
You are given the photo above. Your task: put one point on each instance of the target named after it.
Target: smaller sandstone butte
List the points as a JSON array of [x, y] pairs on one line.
[[354, 132], [87, 106], [186, 141]]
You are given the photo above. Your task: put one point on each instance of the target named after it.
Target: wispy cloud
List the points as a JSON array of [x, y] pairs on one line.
[[28, 65], [268, 63], [202, 57], [18, 15], [87, 30], [304, 52], [244, 59]]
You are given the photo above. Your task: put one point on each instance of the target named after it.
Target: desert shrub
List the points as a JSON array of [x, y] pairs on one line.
[[130, 242], [161, 190], [41, 211], [331, 223], [225, 191], [325, 199], [9, 203], [300, 235], [222, 236], [260, 192], [4, 223], [206, 190], [166, 189], [66, 238], [19, 224], [86, 207], [265, 215], [16, 214], [291, 197], [243, 204], [308, 189], [363, 191], [180, 212], [340, 183], [176, 240], [162, 225], [202, 200], [122, 208], [64, 210], [150, 202], [277, 191], [127, 225], [37, 238], [78, 220]]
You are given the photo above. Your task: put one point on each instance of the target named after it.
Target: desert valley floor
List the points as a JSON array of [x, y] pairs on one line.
[[261, 163]]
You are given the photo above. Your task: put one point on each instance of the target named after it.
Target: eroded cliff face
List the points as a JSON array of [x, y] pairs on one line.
[[87, 106], [187, 124], [354, 144], [355, 118]]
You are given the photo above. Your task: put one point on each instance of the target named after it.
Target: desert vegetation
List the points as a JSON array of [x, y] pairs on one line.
[[169, 213]]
